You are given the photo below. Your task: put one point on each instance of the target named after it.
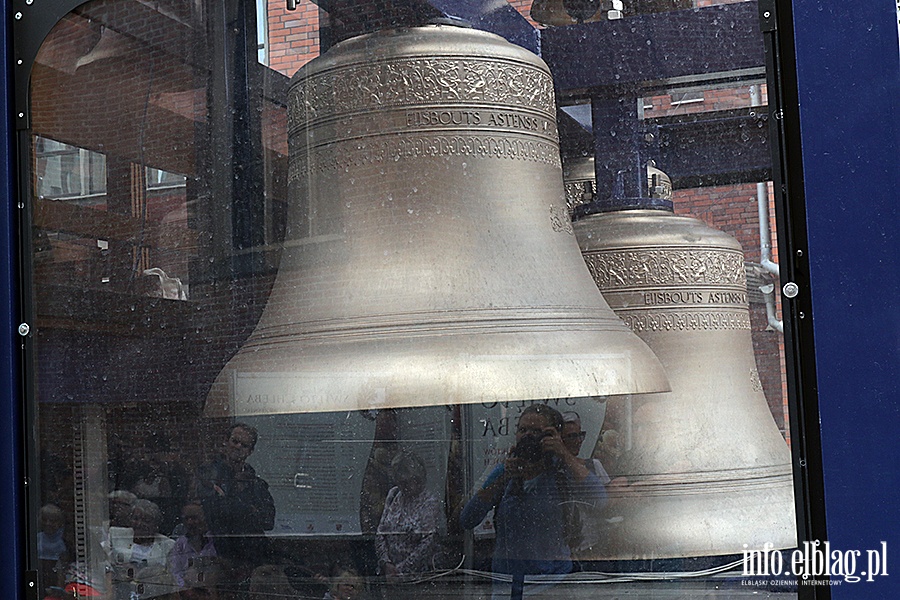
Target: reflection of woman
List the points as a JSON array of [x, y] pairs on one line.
[[408, 534], [141, 564], [193, 560], [529, 493]]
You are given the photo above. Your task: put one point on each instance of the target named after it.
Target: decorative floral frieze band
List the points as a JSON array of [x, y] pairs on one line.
[[644, 321], [414, 82], [633, 268], [375, 151]]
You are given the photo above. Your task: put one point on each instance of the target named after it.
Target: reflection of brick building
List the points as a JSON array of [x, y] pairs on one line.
[[293, 36]]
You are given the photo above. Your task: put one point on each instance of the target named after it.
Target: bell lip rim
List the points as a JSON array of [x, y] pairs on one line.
[[224, 407], [334, 378]]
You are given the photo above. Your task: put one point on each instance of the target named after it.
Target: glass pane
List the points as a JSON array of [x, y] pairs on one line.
[[426, 316]]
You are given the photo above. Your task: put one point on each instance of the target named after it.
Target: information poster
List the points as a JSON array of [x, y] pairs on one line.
[[316, 463]]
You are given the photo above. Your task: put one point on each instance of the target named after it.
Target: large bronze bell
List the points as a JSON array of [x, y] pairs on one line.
[[702, 470], [429, 256]]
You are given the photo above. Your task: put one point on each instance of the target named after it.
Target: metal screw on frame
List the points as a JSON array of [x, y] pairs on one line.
[[24, 329], [791, 289]]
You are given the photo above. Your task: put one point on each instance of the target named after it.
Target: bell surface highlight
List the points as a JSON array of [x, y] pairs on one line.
[[702, 470], [429, 257]]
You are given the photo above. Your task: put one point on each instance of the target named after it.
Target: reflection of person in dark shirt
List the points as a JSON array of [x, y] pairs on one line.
[[237, 504], [529, 493]]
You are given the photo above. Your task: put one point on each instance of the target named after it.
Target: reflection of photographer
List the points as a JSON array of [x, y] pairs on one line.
[[530, 493]]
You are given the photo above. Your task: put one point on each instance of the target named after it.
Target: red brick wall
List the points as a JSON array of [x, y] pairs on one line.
[[293, 35], [524, 8]]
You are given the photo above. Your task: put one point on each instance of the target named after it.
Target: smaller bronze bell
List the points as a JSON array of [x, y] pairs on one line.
[[702, 470]]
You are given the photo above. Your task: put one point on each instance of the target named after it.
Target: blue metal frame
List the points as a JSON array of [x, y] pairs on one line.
[[717, 39], [848, 74], [12, 563]]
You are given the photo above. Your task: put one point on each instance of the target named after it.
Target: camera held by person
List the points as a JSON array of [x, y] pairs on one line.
[[530, 447]]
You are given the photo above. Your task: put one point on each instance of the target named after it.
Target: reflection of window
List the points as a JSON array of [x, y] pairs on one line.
[[679, 98], [157, 178], [65, 171], [262, 35]]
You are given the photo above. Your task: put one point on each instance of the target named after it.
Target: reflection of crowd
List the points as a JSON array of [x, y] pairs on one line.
[[205, 547], [215, 546]]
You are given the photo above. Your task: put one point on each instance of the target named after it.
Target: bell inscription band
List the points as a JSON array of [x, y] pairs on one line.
[[429, 258], [702, 470]]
